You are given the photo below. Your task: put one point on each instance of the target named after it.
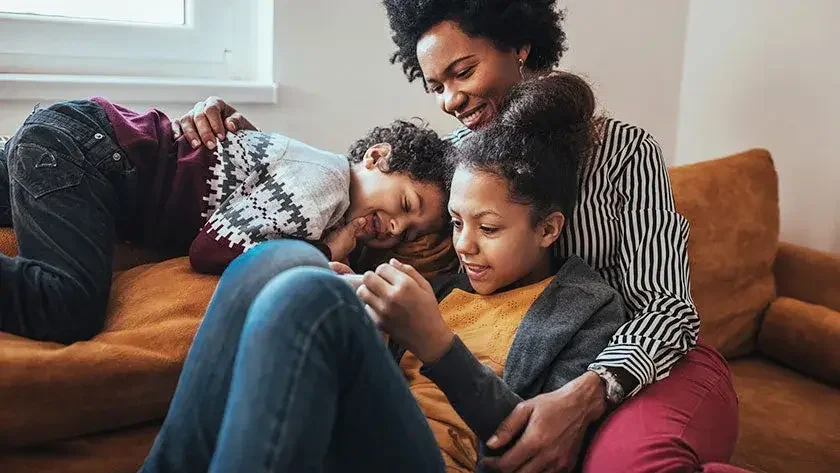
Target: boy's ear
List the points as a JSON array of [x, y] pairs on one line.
[[377, 154], [551, 227]]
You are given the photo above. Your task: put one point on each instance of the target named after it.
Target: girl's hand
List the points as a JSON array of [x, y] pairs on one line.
[[403, 303]]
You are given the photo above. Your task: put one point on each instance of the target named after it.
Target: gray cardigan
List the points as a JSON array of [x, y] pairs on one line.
[[568, 325]]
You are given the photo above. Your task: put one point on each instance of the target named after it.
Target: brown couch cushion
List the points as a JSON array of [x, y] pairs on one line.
[[804, 336], [123, 376], [732, 205], [789, 422]]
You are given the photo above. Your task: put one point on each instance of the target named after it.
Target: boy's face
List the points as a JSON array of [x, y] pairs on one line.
[[396, 207]]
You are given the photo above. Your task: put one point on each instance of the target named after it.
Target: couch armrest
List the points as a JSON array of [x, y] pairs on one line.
[[808, 275], [803, 336]]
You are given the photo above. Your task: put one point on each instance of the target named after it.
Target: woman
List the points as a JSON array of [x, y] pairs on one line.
[[288, 374], [468, 55]]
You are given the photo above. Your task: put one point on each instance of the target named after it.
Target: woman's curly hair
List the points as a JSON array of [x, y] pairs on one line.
[[540, 144], [416, 150], [509, 24]]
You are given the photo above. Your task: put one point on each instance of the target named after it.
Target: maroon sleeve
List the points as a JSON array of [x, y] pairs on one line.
[[211, 256]]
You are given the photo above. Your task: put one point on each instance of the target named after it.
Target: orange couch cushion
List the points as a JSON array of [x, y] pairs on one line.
[[788, 421], [732, 205], [805, 337], [808, 275], [123, 376], [120, 451]]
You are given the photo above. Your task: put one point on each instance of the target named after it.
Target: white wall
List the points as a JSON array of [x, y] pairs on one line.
[[336, 82], [766, 73], [632, 53]]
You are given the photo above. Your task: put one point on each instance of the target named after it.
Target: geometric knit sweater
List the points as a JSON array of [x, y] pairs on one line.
[[265, 186]]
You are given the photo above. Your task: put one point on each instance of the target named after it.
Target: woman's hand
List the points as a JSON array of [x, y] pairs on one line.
[[209, 120], [554, 426], [404, 305]]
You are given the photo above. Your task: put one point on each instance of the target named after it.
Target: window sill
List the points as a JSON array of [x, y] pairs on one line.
[[48, 87]]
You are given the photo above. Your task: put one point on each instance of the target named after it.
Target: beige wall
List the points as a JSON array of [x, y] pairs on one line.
[[766, 73]]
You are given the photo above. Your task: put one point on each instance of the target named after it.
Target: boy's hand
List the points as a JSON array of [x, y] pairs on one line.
[[342, 241], [341, 268], [404, 305]]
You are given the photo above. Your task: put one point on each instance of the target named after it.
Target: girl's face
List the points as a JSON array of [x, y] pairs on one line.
[[496, 240], [468, 76]]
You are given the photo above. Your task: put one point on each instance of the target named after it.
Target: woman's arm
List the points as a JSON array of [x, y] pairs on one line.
[[209, 120], [654, 278]]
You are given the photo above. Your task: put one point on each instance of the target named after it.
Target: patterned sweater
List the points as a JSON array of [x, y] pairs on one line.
[[216, 204], [264, 186]]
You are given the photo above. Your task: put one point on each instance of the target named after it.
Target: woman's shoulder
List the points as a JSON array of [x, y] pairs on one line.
[[621, 142]]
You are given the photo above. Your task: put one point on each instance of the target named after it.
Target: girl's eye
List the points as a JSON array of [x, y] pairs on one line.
[[489, 230], [406, 206], [456, 223], [436, 89]]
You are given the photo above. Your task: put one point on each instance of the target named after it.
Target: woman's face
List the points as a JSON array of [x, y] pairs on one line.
[[468, 76], [496, 240]]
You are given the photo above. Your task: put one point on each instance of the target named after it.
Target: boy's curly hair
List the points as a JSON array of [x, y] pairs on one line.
[[416, 150], [510, 24]]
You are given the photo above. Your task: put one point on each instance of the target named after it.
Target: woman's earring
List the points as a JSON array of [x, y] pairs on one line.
[[522, 68]]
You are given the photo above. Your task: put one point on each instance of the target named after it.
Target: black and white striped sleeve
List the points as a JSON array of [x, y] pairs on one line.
[[654, 274]]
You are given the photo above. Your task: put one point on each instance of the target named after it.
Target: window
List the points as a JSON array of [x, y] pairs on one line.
[[158, 49], [161, 12]]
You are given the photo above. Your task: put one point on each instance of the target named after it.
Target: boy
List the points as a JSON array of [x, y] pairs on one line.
[[81, 174]]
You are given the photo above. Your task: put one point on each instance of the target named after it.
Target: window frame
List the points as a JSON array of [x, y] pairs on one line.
[[223, 48]]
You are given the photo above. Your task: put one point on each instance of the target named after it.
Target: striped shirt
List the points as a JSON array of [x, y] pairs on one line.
[[626, 227]]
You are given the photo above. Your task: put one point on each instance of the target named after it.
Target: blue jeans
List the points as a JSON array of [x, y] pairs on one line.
[[66, 187], [288, 374]]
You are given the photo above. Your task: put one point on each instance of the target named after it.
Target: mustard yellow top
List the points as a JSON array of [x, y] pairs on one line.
[[487, 326]]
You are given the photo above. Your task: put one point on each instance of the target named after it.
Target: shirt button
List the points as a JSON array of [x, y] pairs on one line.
[[99, 136], [116, 156]]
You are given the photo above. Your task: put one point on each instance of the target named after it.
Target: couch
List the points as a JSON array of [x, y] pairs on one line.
[[772, 308]]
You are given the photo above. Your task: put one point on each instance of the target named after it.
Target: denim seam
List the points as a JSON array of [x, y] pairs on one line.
[[280, 430], [82, 134]]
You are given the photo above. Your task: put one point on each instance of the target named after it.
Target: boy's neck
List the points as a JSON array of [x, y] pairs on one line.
[[355, 184]]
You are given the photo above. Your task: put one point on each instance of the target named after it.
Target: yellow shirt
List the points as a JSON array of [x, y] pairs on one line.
[[487, 326]]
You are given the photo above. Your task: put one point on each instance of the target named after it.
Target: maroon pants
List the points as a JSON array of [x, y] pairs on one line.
[[687, 422]]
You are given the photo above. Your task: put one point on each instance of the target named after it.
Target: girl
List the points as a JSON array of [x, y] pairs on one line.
[[281, 383]]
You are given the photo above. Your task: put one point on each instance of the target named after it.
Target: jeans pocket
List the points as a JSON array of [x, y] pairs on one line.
[[41, 171]]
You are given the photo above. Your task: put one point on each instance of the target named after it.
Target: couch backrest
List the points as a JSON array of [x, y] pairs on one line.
[[732, 205]]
